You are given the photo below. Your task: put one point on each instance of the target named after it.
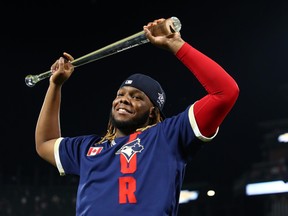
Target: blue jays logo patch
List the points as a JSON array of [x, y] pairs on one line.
[[130, 149]]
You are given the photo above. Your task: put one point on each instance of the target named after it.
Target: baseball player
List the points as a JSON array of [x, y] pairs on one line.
[[138, 166]]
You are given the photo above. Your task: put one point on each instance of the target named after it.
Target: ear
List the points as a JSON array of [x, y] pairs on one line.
[[152, 112]]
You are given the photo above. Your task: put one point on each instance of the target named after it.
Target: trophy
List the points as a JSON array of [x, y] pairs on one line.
[[168, 26]]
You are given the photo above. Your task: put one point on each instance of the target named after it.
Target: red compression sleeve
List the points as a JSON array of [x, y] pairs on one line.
[[222, 89]]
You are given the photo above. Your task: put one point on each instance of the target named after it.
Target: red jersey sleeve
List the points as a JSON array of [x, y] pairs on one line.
[[222, 89]]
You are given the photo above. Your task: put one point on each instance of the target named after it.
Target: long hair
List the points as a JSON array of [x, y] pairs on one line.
[[111, 130]]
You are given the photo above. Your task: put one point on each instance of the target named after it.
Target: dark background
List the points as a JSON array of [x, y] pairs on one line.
[[248, 38]]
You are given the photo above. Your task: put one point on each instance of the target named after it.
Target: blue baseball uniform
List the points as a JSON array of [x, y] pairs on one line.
[[140, 174]]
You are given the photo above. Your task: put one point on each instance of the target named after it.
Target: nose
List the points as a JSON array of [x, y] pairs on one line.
[[125, 99]]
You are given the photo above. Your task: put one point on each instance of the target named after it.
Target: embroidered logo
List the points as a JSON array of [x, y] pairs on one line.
[[94, 151], [161, 99], [128, 82], [130, 149]]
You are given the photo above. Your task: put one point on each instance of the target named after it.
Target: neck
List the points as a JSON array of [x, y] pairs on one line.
[[121, 133]]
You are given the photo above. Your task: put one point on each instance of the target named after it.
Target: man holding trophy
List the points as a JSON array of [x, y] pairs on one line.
[[137, 167]]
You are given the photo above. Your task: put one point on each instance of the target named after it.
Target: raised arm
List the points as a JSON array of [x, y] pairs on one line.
[[222, 90], [48, 124]]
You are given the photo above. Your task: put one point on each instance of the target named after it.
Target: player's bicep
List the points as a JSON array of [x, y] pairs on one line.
[[46, 151], [194, 122]]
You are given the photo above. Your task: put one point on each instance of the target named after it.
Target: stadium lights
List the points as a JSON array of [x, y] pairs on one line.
[[283, 138], [187, 196], [270, 187]]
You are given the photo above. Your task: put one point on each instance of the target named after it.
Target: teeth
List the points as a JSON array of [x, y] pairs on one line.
[[122, 111]]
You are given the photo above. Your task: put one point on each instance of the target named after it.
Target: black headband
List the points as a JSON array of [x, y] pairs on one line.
[[149, 86]]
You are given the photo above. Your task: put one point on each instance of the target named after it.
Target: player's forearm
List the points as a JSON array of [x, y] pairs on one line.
[[48, 124], [208, 72]]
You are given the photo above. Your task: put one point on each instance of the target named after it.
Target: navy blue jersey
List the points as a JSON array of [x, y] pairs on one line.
[[140, 174]]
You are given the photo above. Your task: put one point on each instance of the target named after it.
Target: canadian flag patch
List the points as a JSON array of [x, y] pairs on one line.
[[94, 151]]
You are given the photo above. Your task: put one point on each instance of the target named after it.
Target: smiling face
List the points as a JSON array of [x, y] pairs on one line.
[[131, 109]]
